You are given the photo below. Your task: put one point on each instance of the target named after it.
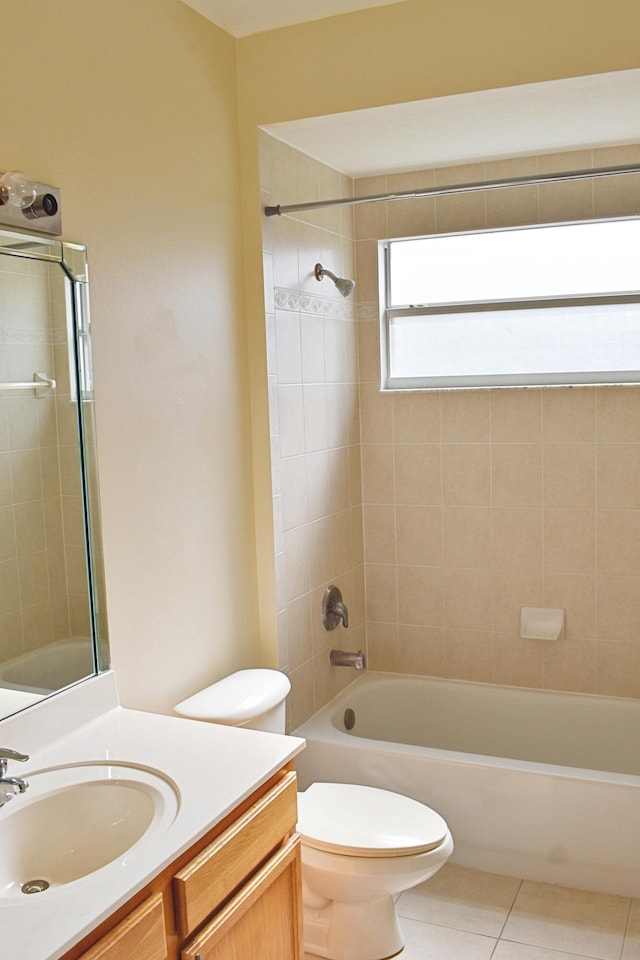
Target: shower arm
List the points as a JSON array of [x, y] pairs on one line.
[[444, 191]]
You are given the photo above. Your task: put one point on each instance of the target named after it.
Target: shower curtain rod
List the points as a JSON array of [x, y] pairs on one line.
[[278, 210]]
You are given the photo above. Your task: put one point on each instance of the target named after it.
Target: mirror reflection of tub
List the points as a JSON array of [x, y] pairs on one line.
[[51, 608]]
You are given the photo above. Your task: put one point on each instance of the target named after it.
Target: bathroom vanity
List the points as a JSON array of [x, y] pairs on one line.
[[232, 894], [215, 871]]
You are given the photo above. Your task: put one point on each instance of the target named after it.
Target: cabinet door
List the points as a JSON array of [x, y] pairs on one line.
[[263, 921], [219, 869], [141, 934]]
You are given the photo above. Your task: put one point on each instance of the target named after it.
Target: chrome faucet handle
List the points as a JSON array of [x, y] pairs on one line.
[[7, 754], [333, 609]]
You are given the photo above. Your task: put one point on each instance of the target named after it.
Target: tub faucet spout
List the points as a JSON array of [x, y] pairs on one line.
[[346, 658]]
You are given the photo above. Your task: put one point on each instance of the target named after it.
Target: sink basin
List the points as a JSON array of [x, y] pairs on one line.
[[75, 820]]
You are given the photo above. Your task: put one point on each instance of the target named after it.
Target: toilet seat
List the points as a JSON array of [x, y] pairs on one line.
[[359, 821]]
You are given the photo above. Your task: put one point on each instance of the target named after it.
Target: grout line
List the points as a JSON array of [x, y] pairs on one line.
[[510, 910]]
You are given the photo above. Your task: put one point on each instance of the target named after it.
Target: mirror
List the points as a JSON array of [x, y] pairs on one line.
[[52, 612]]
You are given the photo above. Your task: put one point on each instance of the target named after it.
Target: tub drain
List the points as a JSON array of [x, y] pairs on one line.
[[35, 886], [349, 719]]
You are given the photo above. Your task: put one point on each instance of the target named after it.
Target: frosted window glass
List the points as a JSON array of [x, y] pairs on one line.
[[576, 259], [562, 340]]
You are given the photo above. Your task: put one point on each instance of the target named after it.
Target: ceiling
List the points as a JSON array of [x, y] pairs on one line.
[[489, 124], [241, 18]]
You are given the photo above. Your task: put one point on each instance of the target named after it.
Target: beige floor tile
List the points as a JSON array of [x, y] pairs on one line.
[[461, 898], [631, 949], [426, 941], [506, 950], [579, 922]]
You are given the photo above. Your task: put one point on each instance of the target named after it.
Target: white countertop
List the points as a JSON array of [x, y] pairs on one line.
[[214, 767]]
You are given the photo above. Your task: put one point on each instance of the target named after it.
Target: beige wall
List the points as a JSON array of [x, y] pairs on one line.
[[130, 108], [477, 503]]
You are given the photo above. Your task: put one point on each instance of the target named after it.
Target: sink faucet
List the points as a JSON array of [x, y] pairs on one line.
[[9, 786]]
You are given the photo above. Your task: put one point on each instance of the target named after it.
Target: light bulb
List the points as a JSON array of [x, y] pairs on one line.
[[17, 189]]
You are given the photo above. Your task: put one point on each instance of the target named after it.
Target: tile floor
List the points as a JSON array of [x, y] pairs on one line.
[[463, 914]]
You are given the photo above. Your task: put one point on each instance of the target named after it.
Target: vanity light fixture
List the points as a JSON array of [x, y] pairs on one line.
[[23, 200]]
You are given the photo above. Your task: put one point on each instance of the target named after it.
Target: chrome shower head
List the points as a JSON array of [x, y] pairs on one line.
[[343, 286]]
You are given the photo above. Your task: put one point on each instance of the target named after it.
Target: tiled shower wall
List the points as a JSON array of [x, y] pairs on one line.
[[43, 592], [479, 502], [313, 384], [474, 503]]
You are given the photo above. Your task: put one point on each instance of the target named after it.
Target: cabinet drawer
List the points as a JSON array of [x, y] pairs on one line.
[[226, 863], [263, 921], [141, 934]]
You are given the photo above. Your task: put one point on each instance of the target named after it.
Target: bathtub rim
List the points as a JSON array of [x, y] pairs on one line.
[[321, 726]]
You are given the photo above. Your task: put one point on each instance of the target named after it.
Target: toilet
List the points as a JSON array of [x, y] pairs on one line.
[[361, 846]]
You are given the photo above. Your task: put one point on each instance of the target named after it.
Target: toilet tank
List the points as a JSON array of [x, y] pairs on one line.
[[252, 698]]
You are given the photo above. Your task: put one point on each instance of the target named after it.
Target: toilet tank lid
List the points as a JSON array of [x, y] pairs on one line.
[[235, 699]]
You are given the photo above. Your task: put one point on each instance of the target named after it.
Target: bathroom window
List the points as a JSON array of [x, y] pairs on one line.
[[526, 306]]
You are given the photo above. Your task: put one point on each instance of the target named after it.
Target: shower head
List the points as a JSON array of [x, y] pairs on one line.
[[343, 286]]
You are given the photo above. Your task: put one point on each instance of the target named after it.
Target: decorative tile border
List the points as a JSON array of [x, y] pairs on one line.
[[39, 335], [299, 302]]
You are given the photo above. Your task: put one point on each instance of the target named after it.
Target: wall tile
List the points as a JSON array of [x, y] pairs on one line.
[[418, 473], [377, 473], [618, 608], [570, 541], [416, 417], [618, 414], [379, 533], [421, 650], [466, 474], [420, 596], [516, 416], [518, 662], [516, 474], [468, 600], [618, 543], [619, 476], [466, 416], [467, 536], [570, 665], [568, 415], [468, 655], [419, 535], [570, 475], [382, 596], [517, 539]]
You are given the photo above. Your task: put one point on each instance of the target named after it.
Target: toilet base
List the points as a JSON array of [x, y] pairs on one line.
[[364, 930]]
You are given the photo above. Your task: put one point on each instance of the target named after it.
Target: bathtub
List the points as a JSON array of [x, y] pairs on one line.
[[533, 784], [49, 668]]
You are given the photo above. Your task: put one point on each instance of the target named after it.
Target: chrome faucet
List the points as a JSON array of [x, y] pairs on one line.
[[9, 786], [345, 658], [334, 609]]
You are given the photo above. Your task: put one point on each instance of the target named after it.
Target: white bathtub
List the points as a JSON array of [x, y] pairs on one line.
[[532, 783], [49, 668]]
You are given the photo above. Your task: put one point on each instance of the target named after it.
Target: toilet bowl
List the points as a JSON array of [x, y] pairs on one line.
[[361, 846]]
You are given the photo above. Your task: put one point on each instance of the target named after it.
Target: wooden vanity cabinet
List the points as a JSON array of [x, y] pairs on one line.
[[235, 894]]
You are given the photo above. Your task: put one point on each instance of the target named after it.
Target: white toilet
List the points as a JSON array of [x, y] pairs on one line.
[[361, 846]]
